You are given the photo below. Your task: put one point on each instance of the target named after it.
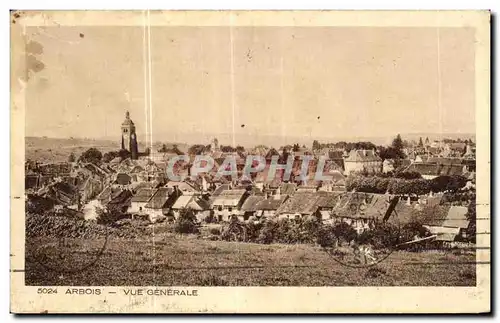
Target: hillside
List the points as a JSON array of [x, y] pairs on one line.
[[174, 260]]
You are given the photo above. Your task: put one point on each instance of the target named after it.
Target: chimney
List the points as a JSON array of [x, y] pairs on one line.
[[266, 194], [204, 184], [408, 201], [277, 196]]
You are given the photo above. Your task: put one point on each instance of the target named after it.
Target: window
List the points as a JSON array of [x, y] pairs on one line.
[[125, 130], [230, 209], [219, 208]]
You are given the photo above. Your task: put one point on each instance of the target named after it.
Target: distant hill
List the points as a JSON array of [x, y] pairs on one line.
[[45, 149], [58, 149]]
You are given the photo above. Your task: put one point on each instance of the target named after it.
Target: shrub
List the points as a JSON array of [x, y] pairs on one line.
[[253, 229], [38, 205], [326, 237], [215, 231], [185, 223], [234, 231], [109, 215], [309, 229], [91, 155], [344, 232], [268, 232], [383, 235]]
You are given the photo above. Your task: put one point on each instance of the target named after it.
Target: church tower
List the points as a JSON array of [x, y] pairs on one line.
[[129, 138], [215, 145]]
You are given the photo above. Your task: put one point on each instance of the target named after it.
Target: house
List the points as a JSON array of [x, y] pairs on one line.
[[327, 201], [122, 179], [299, 205], [184, 187], [334, 156], [199, 206], [89, 188], [160, 203], [288, 188], [121, 201], [432, 170], [451, 227], [359, 210], [62, 193], [269, 206], [55, 169], [249, 207], [140, 199], [228, 203], [388, 165], [335, 184], [362, 160], [108, 194], [454, 149], [31, 182]]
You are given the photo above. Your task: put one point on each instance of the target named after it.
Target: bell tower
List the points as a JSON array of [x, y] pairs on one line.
[[129, 138]]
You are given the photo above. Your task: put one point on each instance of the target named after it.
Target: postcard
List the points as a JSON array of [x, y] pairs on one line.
[[250, 162]]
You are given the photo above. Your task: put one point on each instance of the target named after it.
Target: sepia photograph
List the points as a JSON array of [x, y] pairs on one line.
[[248, 149]]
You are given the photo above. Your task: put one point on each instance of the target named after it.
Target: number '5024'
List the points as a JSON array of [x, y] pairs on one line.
[[47, 291]]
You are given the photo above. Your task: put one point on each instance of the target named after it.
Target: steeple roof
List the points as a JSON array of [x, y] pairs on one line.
[[128, 121]]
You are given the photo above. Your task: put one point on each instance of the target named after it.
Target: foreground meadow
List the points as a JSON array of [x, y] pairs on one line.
[[175, 260]]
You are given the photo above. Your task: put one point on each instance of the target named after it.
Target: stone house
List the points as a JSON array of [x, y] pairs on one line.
[[228, 203], [362, 160]]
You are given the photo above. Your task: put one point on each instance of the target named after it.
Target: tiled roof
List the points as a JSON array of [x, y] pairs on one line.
[[271, 203], [251, 203], [456, 217], [182, 201], [159, 199], [362, 155], [436, 169], [302, 203], [123, 179], [122, 198], [288, 188], [229, 197], [143, 195]]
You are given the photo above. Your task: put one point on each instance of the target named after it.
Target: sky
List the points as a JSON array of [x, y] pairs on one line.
[[250, 85]]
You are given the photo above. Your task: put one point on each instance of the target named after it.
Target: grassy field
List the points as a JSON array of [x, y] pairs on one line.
[[172, 260]]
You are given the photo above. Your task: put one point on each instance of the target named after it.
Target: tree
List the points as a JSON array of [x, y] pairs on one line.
[[176, 150], [186, 222], [397, 143], [91, 155], [389, 153], [71, 158], [420, 142], [124, 154], [109, 215], [345, 232], [196, 149], [240, 149], [163, 149], [471, 216], [109, 156], [408, 175], [296, 147], [227, 149]]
